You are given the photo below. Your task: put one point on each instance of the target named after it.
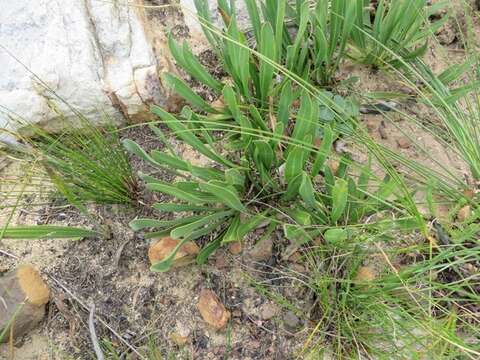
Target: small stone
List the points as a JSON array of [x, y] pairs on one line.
[[365, 274], [334, 165], [464, 213], [178, 339], [212, 310], [164, 247], [469, 193], [403, 143], [382, 130], [23, 294], [291, 322], [220, 261], [371, 125], [235, 248], [255, 344], [268, 311], [298, 268], [262, 250], [295, 257]]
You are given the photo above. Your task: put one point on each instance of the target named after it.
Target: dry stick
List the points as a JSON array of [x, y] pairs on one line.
[[3, 252], [104, 323], [93, 334]]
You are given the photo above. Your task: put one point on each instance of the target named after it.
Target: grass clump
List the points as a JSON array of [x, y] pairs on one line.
[[86, 164]]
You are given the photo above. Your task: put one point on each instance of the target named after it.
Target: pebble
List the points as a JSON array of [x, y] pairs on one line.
[[365, 274], [262, 250], [291, 322], [212, 309], [464, 213], [268, 311], [235, 248], [403, 143]]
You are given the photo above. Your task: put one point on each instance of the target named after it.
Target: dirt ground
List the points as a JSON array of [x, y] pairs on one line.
[[141, 306]]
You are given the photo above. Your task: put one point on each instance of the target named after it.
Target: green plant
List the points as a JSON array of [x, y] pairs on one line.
[[400, 28], [310, 42], [86, 164], [264, 177], [331, 25]]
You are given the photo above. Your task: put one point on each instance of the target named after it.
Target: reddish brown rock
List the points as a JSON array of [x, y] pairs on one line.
[[212, 310], [403, 143], [464, 213], [235, 248], [365, 274], [164, 247], [23, 296]]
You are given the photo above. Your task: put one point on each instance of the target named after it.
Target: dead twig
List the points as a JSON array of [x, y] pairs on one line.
[[93, 334]]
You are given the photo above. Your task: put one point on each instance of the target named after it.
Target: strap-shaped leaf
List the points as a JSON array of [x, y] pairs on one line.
[[136, 149], [171, 161], [44, 232], [306, 190], [304, 123], [181, 194], [339, 199], [225, 194], [208, 250], [324, 151], [267, 49], [295, 162], [144, 223], [172, 207], [185, 134], [189, 62], [263, 153], [187, 93], [188, 229], [206, 174]]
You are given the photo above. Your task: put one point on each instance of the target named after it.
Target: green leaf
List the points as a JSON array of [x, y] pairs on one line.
[[267, 49], [339, 199], [140, 224], [335, 236], [186, 135], [171, 161], [306, 190], [296, 233], [166, 264], [189, 62], [171, 207], [232, 231], [263, 153], [44, 232], [188, 229], [187, 93], [235, 177], [136, 149], [324, 151], [225, 194], [181, 194], [208, 250]]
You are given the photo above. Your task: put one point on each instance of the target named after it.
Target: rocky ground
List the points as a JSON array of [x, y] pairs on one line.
[[254, 286]]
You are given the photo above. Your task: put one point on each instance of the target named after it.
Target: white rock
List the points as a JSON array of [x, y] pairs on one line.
[[100, 57], [90, 53]]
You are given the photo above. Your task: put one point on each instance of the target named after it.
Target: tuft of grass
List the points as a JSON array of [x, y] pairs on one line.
[[86, 164]]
